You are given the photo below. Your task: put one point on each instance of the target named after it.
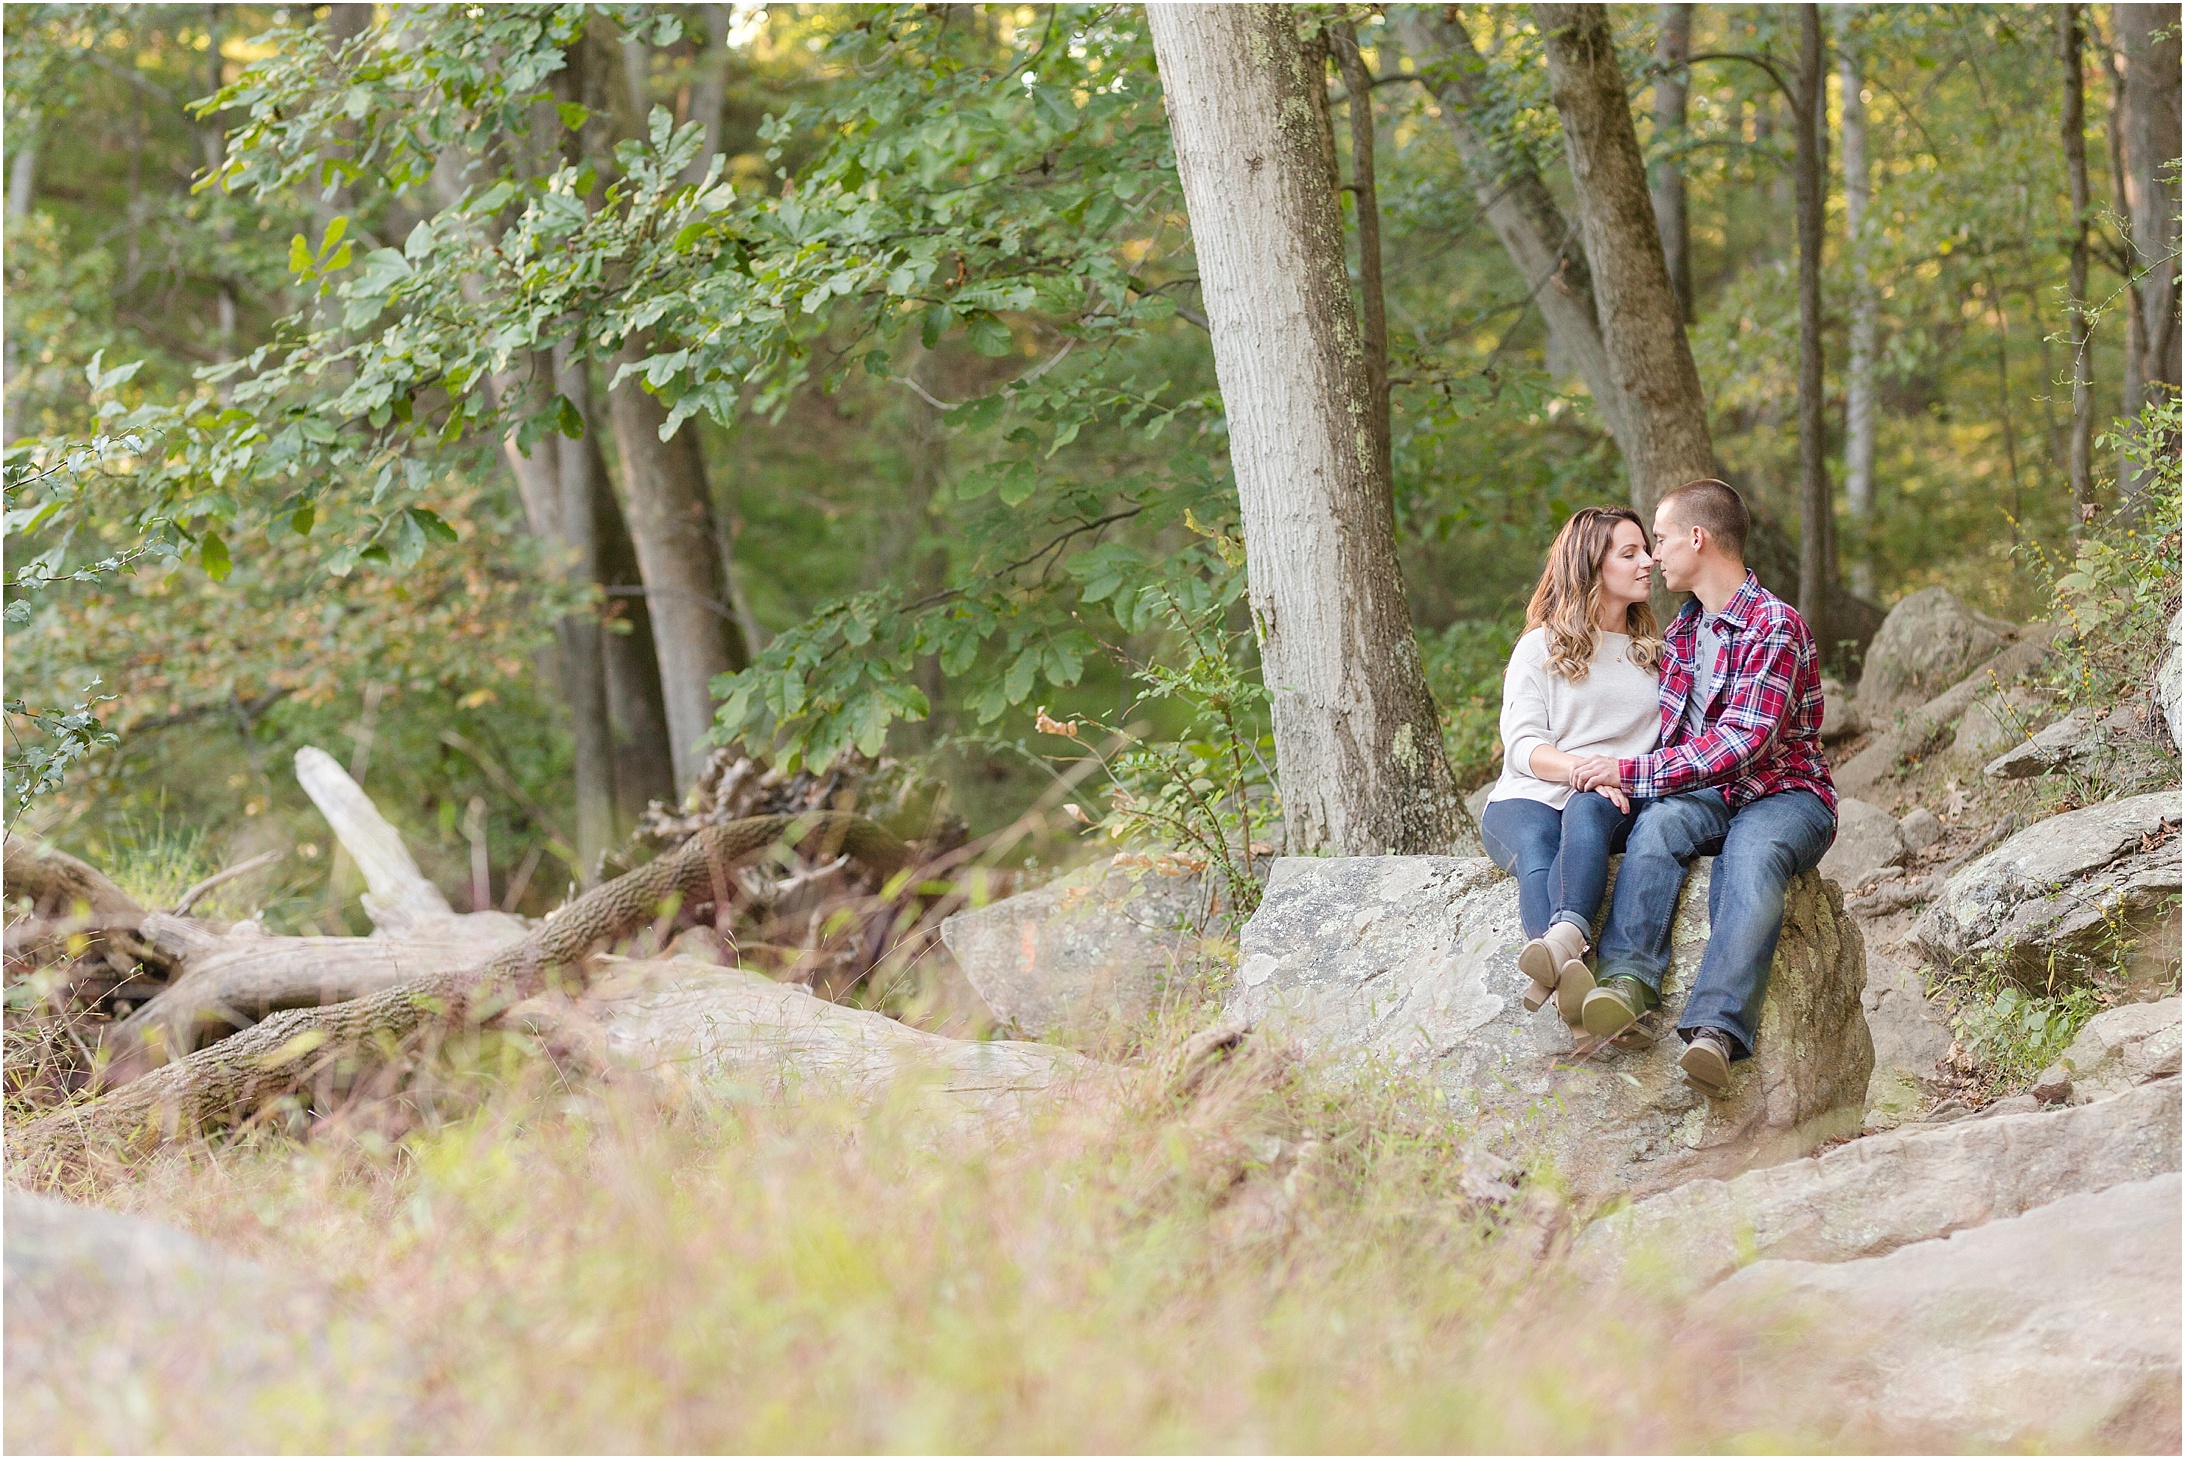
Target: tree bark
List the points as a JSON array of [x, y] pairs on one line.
[[1357, 741], [2135, 390], [1672, 49], [710, 88], [1666, 442], [671, 521], [1816, 507], [1519, 208], [636, 707], [1372, 304], [583, 656], [1860, 397], [2080, 458], [2148, 37]]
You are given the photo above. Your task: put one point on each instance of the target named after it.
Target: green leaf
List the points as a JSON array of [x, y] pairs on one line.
[[574, 114], [431, 524], [334, 231], [990, 336], [1018, 482], [212, 555], [303, 519], [568, 419], [299, 256], [1018, 682]]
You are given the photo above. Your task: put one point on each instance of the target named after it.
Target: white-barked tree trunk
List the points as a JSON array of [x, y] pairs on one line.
[[1357, 741]]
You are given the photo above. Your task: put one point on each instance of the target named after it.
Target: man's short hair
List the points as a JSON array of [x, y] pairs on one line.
[[1716, 506]]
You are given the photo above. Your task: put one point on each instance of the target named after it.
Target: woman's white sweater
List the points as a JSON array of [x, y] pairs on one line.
[[1614, 710]]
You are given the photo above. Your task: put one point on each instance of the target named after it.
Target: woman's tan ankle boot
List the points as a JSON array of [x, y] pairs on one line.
[[1548, 959]]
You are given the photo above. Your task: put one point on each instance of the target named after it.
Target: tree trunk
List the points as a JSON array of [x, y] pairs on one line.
[[552, 487], [2148, 37], [636, 708], [23, 171], [2135, 385], [22, 180], [671, 521], [710, 88], [1816, 508], [1524, 215], [1357, 742], [1860, 396], [1671, 87], [1372, 304], [2080, 458], [583, 656], [1666, 441], [213, 141], [1519, 208]]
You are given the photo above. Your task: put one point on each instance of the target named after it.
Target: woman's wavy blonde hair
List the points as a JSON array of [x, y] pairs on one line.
[[1569, 596]]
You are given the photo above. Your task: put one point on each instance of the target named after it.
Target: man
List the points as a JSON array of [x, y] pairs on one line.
[[1738, 776]]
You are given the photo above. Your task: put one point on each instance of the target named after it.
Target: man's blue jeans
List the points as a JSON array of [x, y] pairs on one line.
[[1757, 848], [1560, 858]]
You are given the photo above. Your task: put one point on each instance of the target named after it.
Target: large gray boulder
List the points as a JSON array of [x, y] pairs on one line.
[[1410, 962], [1928, 642], [1089, 952], [2054, 1330], [126, 1336], [1867, 840], [1871, 1196], [2060, 895], [2116, 1050], [743, 1034]]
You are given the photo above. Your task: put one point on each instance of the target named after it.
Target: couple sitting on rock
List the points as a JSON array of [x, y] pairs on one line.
[[1702, 741]]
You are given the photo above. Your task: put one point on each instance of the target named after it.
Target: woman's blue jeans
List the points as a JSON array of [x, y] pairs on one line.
[[1559, 857]]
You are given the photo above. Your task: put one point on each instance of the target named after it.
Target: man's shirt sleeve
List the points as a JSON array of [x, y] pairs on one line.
[[1760, 698]]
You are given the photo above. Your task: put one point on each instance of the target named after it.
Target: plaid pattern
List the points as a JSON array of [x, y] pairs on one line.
[[1763, 710]]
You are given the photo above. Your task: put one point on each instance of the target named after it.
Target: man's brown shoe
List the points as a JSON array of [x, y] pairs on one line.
[[1616, 1005], [1706, 1062]]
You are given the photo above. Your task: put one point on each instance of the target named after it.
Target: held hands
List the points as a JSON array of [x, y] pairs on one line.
[[1599, 773]]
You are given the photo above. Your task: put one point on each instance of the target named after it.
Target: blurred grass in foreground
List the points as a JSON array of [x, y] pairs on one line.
[[1265, 1261]]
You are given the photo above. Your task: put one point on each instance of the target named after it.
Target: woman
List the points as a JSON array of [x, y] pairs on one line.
[[1582, 681]]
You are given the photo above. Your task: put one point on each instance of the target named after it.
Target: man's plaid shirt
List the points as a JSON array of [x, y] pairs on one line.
[[1763, 709]]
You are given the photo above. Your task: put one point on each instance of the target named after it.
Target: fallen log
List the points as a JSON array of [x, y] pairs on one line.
[[345, 1044], [238, 980]]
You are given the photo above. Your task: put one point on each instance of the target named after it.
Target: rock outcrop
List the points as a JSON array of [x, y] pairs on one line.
[[1840, 716], [1410, 961], [2126, 746], [742, 1033], [1867, 840], [2057, 1330], [1911, 1035], [1087, 953], [2062, 894], [1874, 1195], [1919, 828], [1928, 642], [126, 1336], [1910, 731], [1995, 722], [2117, 1050]]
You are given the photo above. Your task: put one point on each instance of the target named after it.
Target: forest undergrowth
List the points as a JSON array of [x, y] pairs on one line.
[[1249, 1257]]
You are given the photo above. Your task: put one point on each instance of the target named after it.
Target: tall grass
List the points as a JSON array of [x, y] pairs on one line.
[[1260, 1259]]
